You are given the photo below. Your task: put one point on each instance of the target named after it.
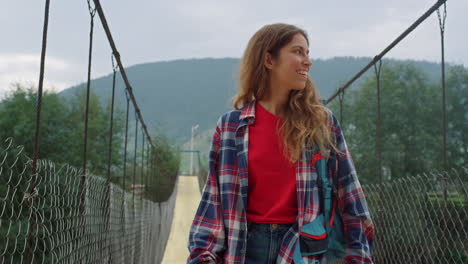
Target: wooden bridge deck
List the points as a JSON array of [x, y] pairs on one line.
[[187, 200]]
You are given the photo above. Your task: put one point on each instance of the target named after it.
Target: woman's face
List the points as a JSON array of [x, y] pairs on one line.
[[290, 70]]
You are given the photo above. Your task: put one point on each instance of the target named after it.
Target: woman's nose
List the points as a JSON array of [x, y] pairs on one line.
[[308, 61]]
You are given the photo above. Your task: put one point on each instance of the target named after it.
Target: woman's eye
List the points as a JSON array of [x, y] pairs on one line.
[[298, 52]]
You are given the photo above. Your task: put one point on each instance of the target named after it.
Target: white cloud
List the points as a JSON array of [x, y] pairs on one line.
[[154, 31], [24, 69]]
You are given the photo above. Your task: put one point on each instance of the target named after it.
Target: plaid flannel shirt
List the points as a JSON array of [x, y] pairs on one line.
[[219, 230]]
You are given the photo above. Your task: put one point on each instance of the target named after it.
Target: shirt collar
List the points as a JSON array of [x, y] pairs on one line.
[[248, 111]]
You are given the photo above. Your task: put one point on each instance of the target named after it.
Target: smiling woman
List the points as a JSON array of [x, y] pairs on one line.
[[274, 162], [281, 84]]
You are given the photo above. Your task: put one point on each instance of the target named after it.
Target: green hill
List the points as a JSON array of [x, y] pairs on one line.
[[174, 95]]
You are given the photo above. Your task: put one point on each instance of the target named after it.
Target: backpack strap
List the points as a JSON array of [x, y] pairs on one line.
[[326, 185]]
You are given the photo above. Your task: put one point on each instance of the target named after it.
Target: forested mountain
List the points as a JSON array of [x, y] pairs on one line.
[[174, 95]]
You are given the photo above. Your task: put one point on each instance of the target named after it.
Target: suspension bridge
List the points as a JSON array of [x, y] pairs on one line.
[[53, 213]]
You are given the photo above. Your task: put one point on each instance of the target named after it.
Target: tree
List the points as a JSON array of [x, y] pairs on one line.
[[411, 134], [98, 134], [18, 119], [166, 160], [457, 116], [62, 128]]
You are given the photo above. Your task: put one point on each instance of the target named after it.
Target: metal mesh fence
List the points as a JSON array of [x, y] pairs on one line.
[[421, 219], [53, 225]]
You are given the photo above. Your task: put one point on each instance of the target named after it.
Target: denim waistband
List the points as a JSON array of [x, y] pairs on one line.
[[252, 226]]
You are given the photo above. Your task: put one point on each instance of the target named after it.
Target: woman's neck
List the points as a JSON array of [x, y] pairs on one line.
[[275, 103]]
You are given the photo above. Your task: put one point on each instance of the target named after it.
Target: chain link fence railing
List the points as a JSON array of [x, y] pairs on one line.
[[53, 224], [421, 219]]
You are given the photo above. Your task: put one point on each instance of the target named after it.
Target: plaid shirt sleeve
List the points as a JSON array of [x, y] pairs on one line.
[[207, 234], [358, 226]]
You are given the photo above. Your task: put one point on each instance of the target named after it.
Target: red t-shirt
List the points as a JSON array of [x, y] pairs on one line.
[[272, 194]]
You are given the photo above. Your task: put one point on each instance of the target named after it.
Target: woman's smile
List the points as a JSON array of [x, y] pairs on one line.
[[303, 73]]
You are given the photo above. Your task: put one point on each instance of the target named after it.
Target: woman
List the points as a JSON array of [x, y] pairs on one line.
[[262, 184]]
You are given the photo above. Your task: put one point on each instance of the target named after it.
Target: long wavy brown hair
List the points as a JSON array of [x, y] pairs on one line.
[[305, 119]]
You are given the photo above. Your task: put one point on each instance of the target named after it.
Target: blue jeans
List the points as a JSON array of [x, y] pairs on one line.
[[264, 241]]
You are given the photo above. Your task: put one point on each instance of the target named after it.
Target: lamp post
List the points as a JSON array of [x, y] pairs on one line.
[[194, 128]]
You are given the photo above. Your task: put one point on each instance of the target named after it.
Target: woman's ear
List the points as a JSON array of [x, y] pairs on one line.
[[268, 61]]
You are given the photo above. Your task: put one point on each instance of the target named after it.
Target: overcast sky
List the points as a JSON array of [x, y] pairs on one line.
[[151, 30]]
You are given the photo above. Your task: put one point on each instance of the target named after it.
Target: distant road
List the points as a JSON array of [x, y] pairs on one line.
[[187, 200]]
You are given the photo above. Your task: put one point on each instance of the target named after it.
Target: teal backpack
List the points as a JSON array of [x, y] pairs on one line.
[[324, 235]]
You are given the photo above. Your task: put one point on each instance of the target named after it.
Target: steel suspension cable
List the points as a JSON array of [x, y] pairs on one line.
[[142, 156], [378, 136], [135, 164], [388, 48], [126, 140], [341, 99], [32, 188], [148, 165], [125, 172], [153, 165], [444, 107], [92, 12], [109, 157], [122, 69], [134, 180], [40, 91], [140, 220]]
